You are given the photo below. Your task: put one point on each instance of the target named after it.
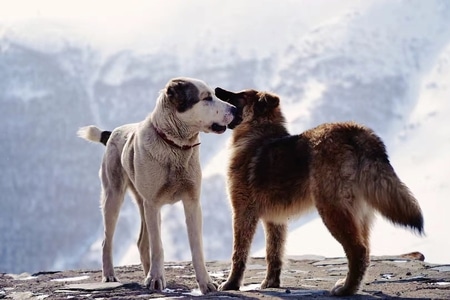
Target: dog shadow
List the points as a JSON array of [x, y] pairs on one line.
[[297, 293]]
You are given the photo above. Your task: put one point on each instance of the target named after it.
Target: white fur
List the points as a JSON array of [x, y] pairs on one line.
[[205, 112], [90, 133], [157, 173]]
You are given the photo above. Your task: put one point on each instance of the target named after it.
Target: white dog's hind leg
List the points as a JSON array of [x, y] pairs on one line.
[[114, 184], [193, 213], [155, 279], [111, 207], [143, 242], [144, 248]]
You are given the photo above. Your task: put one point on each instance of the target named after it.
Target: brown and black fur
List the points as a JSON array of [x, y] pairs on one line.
[[341, 169]]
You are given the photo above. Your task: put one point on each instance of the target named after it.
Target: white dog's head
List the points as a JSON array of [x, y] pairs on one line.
[[197, 106]]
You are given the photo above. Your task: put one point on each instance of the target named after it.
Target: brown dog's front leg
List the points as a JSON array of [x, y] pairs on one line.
[[275, 240], [244, 227]]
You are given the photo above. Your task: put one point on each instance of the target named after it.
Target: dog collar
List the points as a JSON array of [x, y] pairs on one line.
[[172, 143]]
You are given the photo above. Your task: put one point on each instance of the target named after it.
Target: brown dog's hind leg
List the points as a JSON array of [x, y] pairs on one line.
[[344, 226], [275, 240], [244, 227]]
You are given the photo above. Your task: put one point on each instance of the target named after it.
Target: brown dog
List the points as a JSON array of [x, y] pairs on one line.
[[342, 169]]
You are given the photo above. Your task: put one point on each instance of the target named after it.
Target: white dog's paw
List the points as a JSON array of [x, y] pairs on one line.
[[208, 286], [109, 278], [155, 282]]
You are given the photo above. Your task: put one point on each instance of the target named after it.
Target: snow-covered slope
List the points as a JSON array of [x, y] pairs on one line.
[[382, 63], [421, 157]]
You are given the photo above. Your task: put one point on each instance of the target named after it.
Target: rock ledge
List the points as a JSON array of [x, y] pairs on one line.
[[306, 277]]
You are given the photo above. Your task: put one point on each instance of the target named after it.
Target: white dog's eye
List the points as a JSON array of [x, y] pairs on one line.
[[209, 98]]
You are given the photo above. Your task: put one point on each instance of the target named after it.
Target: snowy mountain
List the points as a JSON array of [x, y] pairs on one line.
[[381, 63]]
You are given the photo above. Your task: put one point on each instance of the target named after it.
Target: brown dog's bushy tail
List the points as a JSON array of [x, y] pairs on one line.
[[389, 195], [94, 134]]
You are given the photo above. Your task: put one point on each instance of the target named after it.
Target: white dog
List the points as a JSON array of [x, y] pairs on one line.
[[158, 161]]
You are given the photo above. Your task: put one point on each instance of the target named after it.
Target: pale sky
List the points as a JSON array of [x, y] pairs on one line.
[[137, 22], [80, 9], [11, 10]]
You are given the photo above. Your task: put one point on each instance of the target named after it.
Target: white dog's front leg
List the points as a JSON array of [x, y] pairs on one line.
[[155, 279], [193, 213]]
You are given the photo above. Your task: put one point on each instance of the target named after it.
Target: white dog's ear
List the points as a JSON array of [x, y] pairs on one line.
[[174, 89], [183, 94]]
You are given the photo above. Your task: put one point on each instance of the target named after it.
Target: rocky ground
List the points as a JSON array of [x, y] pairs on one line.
[[306, 277]]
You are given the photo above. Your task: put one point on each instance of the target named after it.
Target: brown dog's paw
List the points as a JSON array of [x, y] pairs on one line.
[[341, 289], [229, 286], [270, 283]]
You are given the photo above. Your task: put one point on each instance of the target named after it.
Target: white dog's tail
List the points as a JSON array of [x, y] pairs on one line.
[[94, 134]]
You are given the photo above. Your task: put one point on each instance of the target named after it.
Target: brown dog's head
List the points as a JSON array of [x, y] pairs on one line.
[[251, 106]]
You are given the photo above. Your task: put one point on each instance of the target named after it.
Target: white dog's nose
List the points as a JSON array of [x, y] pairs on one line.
[[230, 114]]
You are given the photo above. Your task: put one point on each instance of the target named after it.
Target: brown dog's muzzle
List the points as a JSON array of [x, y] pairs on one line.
[[235, 99]]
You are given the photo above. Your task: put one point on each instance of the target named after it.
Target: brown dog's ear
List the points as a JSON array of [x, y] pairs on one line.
[[224, 94], [271, 100], [267, 102], [236, 99]]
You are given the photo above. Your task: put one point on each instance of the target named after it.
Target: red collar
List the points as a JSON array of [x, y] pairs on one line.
[[172, 143]]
